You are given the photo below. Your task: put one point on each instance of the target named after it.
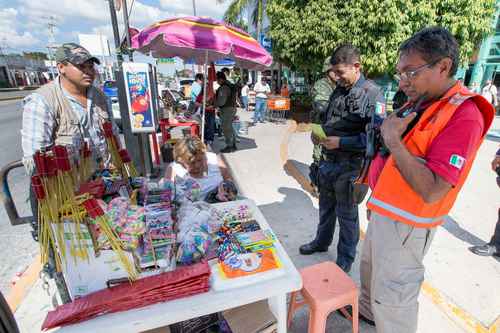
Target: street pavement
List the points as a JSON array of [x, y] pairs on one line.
[[268, 166], [16, 244], [14, 94]]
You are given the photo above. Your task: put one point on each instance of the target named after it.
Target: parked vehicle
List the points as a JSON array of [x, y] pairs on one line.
[[110, 90]]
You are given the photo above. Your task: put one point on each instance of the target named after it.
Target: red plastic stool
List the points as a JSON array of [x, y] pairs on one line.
[[326, 288]]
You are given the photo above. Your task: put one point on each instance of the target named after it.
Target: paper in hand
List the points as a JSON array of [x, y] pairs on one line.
[[318, 131]]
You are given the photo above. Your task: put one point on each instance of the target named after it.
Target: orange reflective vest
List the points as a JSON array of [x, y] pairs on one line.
[[393, 197]]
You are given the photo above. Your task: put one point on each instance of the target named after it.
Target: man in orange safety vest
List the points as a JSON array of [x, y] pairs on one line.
[[429, 153]]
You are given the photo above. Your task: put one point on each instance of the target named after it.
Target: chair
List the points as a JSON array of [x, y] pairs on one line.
[[326, 288]]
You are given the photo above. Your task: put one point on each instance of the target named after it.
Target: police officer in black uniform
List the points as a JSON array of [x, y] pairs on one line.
[[351, 106]]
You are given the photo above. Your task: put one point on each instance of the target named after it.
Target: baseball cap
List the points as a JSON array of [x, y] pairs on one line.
[[74, 53]]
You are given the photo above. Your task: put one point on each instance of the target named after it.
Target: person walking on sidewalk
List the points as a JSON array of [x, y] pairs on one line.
[[350, 109], [321, 92], [416, 180], [225, 100], [262, 92], [493, 247], [490, 93], [244, 96]]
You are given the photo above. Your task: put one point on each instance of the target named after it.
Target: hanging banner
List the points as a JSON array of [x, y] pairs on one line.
[[138, 84]]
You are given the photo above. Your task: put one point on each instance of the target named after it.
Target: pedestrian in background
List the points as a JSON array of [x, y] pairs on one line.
[[492, 248], [415, 183], [244, 96], [262, 91], [321, 92], [225, 100], [490, 93]]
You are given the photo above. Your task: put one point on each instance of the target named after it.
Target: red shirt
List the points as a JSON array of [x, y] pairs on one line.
[[461, 134]]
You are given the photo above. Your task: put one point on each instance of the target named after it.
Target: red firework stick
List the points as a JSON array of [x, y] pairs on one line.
[[36, 183], [62, 159], [108, 129], [93, 209], [124, 156], [40, 163], [86, 152], [116, 141], [51, 164]]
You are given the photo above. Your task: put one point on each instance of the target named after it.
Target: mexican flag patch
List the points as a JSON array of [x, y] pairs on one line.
[[380, 109], [457, 161]]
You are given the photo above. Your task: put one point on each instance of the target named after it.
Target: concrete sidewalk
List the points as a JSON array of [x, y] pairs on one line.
[[293, 213], [463, 286], [269, 168]]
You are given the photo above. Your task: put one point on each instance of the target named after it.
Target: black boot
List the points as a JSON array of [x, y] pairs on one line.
[[311, 248]]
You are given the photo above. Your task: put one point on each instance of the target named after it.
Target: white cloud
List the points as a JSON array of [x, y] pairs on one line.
[[9, 36], [143, 15], [203, 7]]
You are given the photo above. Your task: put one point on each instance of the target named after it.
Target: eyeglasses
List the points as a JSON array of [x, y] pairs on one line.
[[410, 75]]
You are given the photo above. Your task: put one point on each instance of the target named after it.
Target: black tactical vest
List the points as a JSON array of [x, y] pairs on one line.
[[350, 109], [231, 100]]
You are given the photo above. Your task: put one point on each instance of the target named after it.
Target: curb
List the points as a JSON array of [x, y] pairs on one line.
[[11, 98], [457, 315], [22, 287]]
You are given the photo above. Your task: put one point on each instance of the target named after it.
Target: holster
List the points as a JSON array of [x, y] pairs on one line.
[[314, 173], [347, 191]]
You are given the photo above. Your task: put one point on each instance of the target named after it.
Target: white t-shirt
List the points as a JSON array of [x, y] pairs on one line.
[[208, 182], [488, 92], [261, 90], [244, 90]]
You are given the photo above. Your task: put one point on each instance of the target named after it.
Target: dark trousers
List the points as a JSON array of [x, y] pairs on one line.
[[495, 240], [209, 125], [335, 206]]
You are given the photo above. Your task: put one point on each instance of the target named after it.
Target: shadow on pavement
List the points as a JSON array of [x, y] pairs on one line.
[[244, 144], [456, 230]]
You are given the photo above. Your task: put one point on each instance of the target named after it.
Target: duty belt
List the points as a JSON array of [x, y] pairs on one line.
[[342, 156]]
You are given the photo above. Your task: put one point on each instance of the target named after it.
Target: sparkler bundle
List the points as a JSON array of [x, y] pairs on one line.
[[55, 185]]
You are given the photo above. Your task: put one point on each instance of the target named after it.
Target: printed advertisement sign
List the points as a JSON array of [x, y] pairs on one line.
[[139, 97]]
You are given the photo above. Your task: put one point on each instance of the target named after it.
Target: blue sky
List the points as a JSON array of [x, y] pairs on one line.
[[23, 23]]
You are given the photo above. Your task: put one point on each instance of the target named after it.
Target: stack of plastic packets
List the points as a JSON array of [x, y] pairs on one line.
[[159, 238]]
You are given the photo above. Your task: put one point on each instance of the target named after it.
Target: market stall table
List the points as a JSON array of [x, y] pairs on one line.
[[272, 285]]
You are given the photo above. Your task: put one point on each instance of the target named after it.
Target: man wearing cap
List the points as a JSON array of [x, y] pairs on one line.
[[65, 111], [68, 109], [321, 92]]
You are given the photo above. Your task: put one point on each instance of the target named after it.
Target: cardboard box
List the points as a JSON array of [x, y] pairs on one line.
[[251, 318]]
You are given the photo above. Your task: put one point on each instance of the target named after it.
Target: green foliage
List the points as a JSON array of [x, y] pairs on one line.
[[237, 7], [35, 55], [305, 32]]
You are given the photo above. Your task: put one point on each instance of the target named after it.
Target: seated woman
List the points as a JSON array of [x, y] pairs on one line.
[[192, 160]]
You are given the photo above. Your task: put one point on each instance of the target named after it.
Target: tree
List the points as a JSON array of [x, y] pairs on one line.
[[305, 32], [237, 8], [35, 55]]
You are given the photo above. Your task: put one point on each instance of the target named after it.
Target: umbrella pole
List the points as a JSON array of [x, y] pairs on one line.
[[204, 97]]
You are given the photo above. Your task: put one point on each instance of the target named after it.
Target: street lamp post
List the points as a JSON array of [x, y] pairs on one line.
[[194, 7]]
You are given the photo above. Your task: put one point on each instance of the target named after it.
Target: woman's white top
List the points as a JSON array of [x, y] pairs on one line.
[[208, 182]]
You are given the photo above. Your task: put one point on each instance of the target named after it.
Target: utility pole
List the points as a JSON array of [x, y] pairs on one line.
[[7, 69], [132, 141], [51, 24]]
